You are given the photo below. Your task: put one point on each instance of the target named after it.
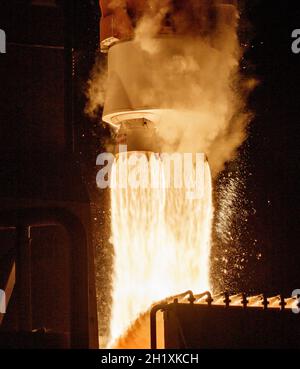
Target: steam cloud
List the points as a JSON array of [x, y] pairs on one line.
[[200, 88]]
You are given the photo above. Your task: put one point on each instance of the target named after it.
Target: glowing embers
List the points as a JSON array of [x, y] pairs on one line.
[[161, 240]]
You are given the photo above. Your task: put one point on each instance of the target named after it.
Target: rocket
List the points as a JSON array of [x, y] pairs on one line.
[[132, 62]]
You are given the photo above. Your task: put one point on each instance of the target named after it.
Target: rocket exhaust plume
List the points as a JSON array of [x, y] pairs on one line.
[[174, 64], [162, 245]]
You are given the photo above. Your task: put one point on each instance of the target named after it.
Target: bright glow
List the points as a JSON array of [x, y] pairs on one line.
[[162, 247]]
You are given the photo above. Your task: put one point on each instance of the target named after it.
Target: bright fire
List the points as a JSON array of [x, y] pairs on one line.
[[162, 247]]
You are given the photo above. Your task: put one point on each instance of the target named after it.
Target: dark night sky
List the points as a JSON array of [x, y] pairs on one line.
[[274, 153]]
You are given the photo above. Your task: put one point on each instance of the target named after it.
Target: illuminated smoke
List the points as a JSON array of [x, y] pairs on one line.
[[200, 85]]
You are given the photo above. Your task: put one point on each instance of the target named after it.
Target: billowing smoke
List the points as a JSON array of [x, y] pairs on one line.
[[95, 89], [200, 88], [201, 85]]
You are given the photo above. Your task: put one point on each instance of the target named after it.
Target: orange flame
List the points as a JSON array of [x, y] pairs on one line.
[[162, 247]]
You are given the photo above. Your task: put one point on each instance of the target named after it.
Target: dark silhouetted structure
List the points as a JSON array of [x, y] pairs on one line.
[[46, 252]]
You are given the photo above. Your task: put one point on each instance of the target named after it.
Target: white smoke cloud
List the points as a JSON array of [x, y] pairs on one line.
[[199, 87], [96, 88]]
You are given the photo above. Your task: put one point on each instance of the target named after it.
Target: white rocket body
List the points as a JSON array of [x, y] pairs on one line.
[[132, 105]]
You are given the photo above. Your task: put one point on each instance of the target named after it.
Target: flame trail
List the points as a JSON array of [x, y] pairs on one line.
[[161, 239], [162, 247]]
